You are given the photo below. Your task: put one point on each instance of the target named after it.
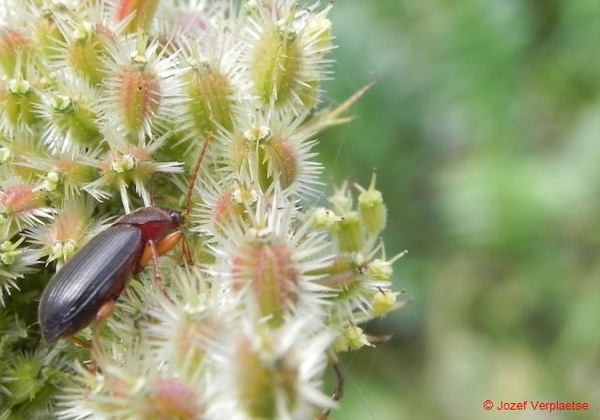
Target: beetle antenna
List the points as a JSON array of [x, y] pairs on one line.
[[190, 190]]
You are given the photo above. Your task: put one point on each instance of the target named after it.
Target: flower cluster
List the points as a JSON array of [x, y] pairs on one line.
[[104, 107]]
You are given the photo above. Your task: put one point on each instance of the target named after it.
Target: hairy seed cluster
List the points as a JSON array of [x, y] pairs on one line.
[[105, 106]]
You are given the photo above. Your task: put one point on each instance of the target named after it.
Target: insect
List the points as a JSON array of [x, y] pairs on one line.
[[86, 288]]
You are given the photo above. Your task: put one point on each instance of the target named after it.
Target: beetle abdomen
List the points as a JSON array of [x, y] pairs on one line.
[[92, 277]]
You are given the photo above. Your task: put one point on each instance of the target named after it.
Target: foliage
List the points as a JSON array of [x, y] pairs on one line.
[[484, 129]]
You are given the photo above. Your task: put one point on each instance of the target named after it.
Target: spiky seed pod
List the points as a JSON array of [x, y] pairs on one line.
[[88, 49], [139, 12], [265, 265], [211, 102]]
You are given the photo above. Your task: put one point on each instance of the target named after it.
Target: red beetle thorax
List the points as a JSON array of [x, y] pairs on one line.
[[154, 222], [155, 230]]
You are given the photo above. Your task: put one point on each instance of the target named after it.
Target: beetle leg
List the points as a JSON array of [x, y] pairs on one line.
[[157, 275], [151, 253], [80, 342], [186, 253], [153, 250], [338, 393], [103, 313], [92, 365]]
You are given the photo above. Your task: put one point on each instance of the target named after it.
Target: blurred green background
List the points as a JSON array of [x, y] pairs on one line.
[[485, 129]]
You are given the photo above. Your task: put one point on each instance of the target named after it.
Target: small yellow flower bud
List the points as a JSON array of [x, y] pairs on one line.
[[371, 208], [62, 251], [383, 302], [22, 103], [257, 134], [380, 269], [9, 251], [19, 87], [244, 196], [52, 180], [125, 164], [82, 33], [324, 218], [138, 61], [61, 103], [352, 338]]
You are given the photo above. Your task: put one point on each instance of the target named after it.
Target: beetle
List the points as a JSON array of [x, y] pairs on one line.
[[86, 288]]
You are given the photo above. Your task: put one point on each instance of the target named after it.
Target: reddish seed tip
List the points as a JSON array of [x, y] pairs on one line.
[[18, 198], [125, 8]]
